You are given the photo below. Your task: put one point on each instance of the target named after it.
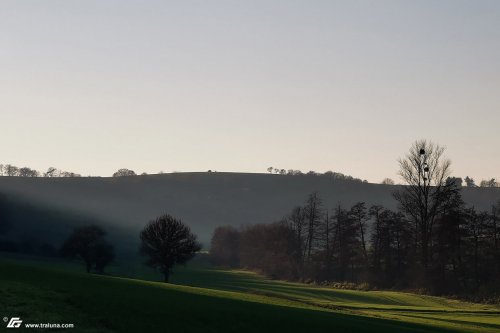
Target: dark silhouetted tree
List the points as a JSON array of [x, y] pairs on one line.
[[166, 241], [10, 170], [102, 255], [51, 172], [346, 246], [359, 214], [270, 249], [27, 172], [456, 180], [88, 244], [489, 183], [296, 220], [124, 172], [224, 247], [387, 181], [469, 182], [425, 170], [313, 212]]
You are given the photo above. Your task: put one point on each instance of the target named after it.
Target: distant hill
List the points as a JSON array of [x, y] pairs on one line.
[[202, 200]]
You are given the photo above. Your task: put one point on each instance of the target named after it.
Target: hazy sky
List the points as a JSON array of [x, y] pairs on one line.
[[92, 86]]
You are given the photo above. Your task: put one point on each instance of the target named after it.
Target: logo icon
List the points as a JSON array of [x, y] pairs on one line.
[[15, 322]]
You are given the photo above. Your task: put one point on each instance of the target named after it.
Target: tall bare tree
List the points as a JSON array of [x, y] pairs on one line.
[[427, 193], [359, 214], [313, 214], [296, 219]]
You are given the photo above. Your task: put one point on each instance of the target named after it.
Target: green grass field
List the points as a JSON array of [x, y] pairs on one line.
[[212, 300]]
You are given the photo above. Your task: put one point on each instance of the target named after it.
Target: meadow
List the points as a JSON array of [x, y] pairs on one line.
[[203, 298]]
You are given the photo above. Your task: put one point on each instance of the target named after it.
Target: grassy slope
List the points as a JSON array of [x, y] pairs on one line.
[[434, 311], [221, 301]]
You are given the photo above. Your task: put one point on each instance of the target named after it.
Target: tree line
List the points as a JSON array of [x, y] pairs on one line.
[[9, 170], [331, 174], [433, 241]]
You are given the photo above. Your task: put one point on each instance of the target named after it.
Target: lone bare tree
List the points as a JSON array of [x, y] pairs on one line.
[[167, 242], [427, 193]]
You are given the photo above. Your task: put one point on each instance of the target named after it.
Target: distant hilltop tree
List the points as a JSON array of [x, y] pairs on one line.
[[457, 181], [489, 183], [124, 172], [10, 170], [51, 172], [166, 241], [69, 174], [27, 172], [89, 244], [469, 182], [387, 181]]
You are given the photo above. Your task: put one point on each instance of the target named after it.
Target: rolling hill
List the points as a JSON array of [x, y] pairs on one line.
[[202, 200]]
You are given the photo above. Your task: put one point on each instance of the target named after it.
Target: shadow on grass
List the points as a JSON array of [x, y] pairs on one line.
[[99, 304]]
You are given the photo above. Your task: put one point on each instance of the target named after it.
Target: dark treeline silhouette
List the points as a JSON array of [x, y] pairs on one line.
[[373, 245], [9, 170], [333, 175], [432, 242]]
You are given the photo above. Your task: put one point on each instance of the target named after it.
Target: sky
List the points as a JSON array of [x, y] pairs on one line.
[[91, 86]]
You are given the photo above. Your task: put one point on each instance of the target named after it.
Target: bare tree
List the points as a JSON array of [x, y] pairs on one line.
[[124, 172], [387, 181], [489, 183], [297, 221], [469, 182], [11, 170], [88, 243], [51, 172], [224, 246], [426, 194], [359, 214], [167, 242], [313, 214], [27, 172]]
